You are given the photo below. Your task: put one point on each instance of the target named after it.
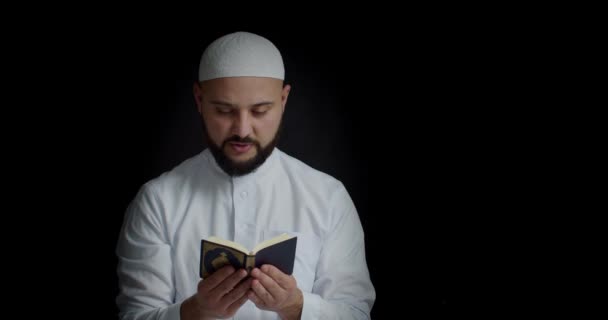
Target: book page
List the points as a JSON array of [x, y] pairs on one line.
[[270, 242], [228, 243]]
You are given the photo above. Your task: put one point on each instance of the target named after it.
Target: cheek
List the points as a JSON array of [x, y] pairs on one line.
[[267, 128], [217, 130]]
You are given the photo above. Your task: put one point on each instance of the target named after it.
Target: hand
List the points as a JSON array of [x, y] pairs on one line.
[[275, 291], [218, 296]]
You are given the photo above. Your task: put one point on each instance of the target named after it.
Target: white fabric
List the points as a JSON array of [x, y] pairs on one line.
[[241, 54], [159, 245]]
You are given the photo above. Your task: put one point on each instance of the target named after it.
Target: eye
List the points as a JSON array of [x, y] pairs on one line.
[[259, 111], [224, 110]]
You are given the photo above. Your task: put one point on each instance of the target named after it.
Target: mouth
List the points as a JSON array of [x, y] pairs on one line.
[[240, 147]]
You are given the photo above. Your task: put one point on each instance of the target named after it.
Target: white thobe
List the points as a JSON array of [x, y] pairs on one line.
[[159, 244]]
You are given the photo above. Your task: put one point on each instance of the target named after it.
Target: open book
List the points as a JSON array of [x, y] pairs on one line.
[[279, 251]]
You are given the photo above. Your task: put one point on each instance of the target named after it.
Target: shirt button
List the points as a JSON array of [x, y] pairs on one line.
[[244, 194]]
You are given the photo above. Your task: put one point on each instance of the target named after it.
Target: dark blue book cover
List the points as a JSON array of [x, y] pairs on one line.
[[216, 253]]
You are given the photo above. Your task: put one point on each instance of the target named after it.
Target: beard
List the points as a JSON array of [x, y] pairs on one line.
[[234, 168]]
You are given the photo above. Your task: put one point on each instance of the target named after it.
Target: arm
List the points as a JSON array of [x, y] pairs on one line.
[[342, 288], [145, 269]]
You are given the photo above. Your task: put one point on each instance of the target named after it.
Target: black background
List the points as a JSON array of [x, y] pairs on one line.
[[404, 114]]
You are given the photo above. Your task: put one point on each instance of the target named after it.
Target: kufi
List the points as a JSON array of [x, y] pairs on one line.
[[241, 54]]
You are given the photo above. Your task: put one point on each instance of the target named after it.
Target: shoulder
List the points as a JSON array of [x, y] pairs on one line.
[[305, 175], [179, 176], [319, 191]]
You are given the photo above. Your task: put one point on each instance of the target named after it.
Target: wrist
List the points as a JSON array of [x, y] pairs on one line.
[[190, 310], [187, 311], [293, 308]]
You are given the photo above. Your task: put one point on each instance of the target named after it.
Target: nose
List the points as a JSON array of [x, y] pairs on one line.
[[241, 124]]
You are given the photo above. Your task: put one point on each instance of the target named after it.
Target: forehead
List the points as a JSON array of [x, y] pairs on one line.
[[235, 87]]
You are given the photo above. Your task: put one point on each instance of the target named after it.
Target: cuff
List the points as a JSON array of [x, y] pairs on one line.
[[311, 309], [171, 312]]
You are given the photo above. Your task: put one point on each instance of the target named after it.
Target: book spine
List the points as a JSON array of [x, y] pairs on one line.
[[249, 263]]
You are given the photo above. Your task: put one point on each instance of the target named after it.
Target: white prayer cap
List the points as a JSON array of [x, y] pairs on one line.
[[241, 54]]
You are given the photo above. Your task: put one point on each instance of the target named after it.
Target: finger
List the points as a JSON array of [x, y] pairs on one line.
[[287, 282], [237, 293], [255, 299], [216, 278], [229, 283], [232, 309], [261, 292], [267, 283]]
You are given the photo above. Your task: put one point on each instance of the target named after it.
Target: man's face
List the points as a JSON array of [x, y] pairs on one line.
[[241, 117]]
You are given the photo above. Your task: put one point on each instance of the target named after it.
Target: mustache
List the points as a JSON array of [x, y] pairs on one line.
[[236, 138]]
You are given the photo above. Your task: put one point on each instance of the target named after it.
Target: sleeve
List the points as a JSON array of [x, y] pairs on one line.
[[342, 287], [145, 270]]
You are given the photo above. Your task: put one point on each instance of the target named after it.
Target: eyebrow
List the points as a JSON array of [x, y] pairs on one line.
[[228, 104]]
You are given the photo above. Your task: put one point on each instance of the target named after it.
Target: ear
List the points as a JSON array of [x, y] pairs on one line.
[[198, 97], [284, 95]]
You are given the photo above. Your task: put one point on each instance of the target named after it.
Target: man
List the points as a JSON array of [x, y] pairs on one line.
[[244, 189]]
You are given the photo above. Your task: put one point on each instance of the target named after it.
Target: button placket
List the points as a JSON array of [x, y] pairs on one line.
[[244, 212]]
